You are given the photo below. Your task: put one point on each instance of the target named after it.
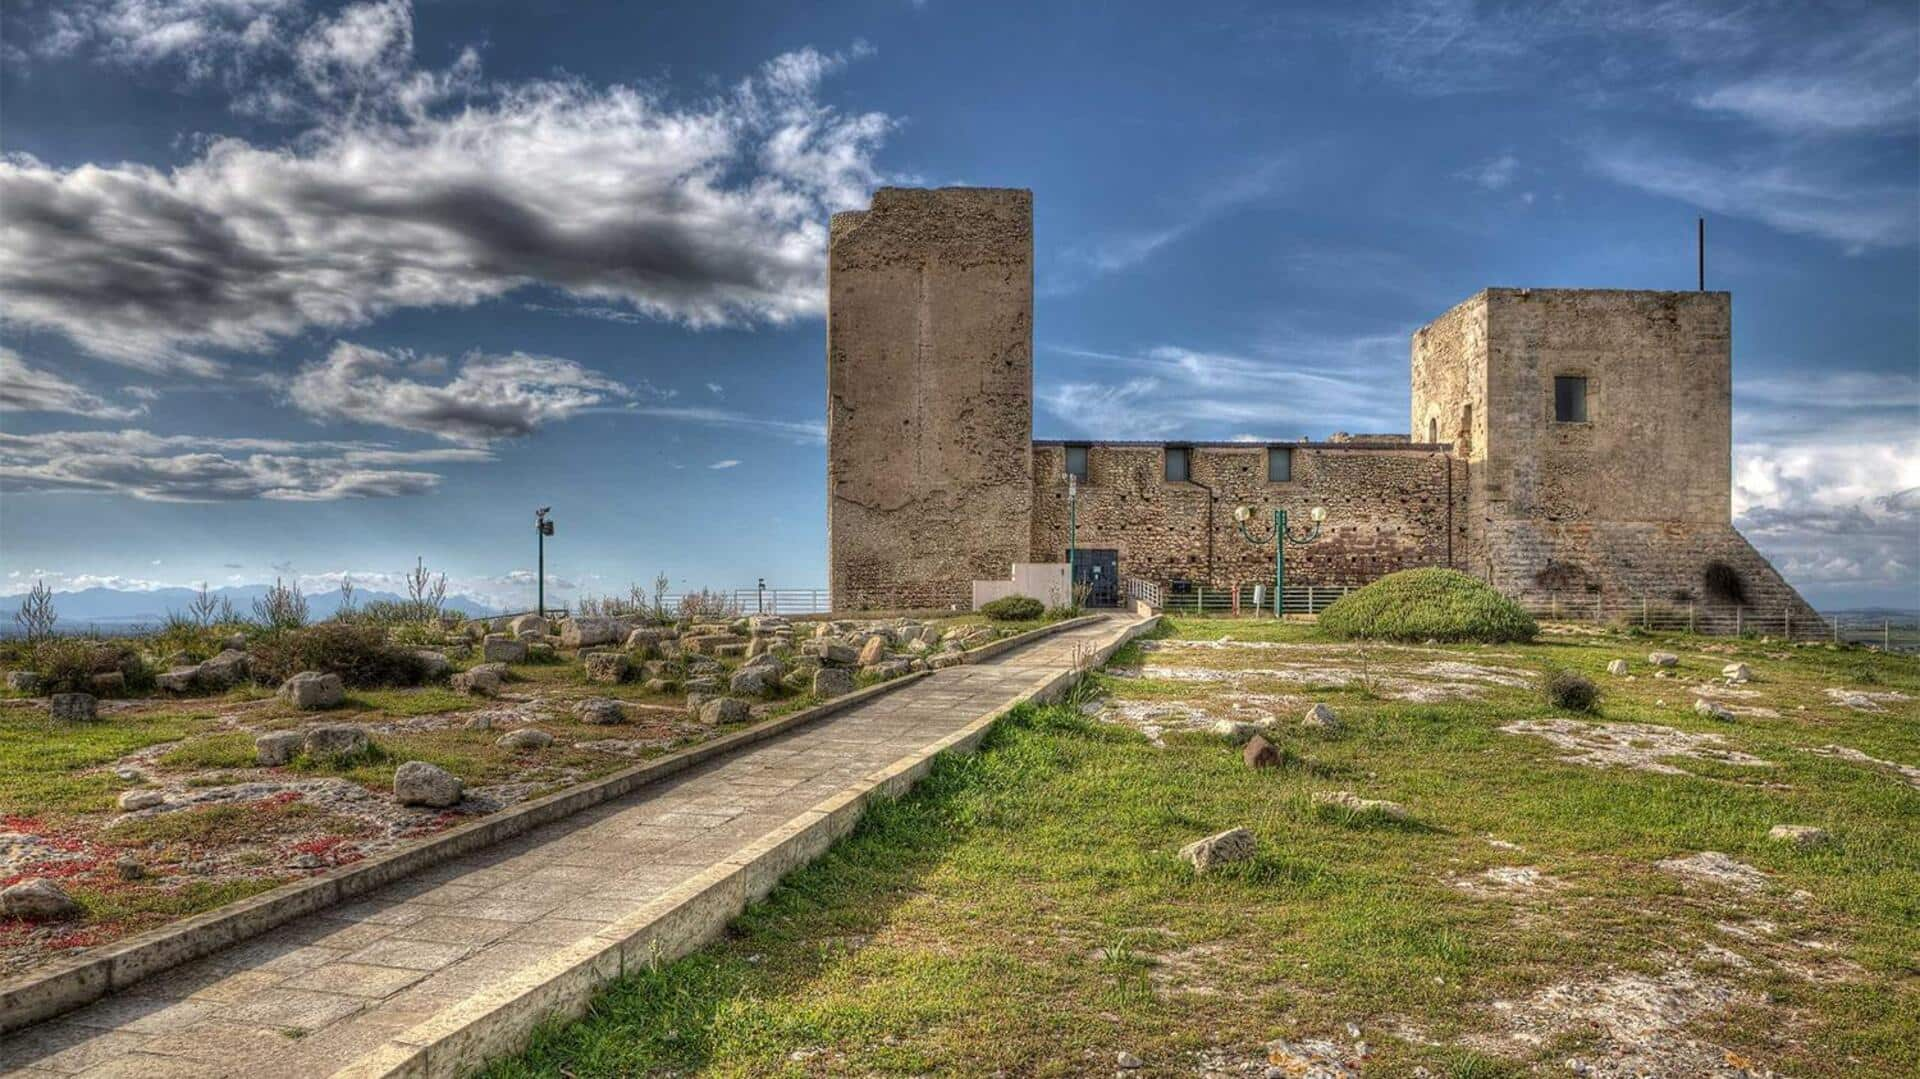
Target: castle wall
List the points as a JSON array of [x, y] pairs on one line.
[[1388, 508], [930, 394]]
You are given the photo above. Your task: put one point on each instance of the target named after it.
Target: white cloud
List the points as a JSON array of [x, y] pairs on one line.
[[491, 397], [29, 389], [189, 468], [203, 37], [809, 432], [1493, 173], [705, 213], [729, 463], [1853, 75], [1121, 249]]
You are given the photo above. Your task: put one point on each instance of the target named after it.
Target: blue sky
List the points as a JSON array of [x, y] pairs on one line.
[[312, 289]]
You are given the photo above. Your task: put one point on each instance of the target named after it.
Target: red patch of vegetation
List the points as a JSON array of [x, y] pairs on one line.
[[28, 825], [83, 938], [281, 799]]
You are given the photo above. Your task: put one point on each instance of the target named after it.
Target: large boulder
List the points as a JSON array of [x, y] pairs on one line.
[[481, 681], [755, 681], [38, 900], [313, 690], [276, 748], [27, 682], [651, 636], [433, 665], [335, 740], [608, 667], [599, 711], [178, 679], [500, 648], [832, 682], [724, 710], [524, 738], [417, 783], [1223, 848], [224, 671], [873, 651], [73, 707], [529, 625], [831, 652], [584, 632], [140, 798]]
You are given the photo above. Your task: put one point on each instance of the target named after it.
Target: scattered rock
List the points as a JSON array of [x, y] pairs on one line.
[[27, 682], [1736, 673], [1635, 745], [1712, 710], [481, 722], [313, 690], [1232, 845], [609, 667], [224, 671], [1663, 659], [1713, 867], [335, 741], [500, 648], [127, 867], [1234, 730], [1128, 1061], [38, 900], [581, 632], [133, 800], [946, 659], [1617, 667], [873, 651], [433, 665], [1353, 803], [763, 681], [724, 710], [1320, 717], [529, 625], [178, 679], [1260, 753], [73, 707], [276, 748], [482, 681], [832, 682], [417, 783], [831, 652], [1800, 835], [600, 711], [524, 738]]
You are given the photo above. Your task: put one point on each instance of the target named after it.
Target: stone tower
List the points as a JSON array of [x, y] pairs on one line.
[[929, 394], [1596, 426]]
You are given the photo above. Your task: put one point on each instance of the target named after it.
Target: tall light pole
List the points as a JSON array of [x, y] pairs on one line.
[[1280, 538], [542, 528]]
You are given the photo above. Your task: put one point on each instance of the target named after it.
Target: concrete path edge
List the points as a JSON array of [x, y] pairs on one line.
[[498, 1021]]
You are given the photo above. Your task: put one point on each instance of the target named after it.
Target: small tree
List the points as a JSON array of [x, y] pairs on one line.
[[205, 610], [426, 592], [36, 614], [283, 607], [660, 585], [346, 611]]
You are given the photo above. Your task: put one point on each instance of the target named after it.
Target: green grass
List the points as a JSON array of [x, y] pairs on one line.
[[39, 762], [1023, 910], [233, 749]]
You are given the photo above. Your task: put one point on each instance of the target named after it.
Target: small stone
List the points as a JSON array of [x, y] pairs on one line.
[[1355, 804], [27, 682], [127, 867], [721, 710], [335, 741], [73, 707], [599, 711], [524, 738], [276, 748], [481, 681], [417, 783], [480, 722], [311, 691], [1663, 659], [1233, 730], [1736, 673], [306, 860], [831, 682], [131, 801], [1232, 845], [1712, 710], [500, 648], [1260, 753], [38, 900], [1800, 835], [1320, 717], [1128, 1061], [108, 684], [606, 667], [1618, 666]]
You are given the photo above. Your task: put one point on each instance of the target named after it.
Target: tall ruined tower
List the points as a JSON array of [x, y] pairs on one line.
[[1597, 429], [929, 394]]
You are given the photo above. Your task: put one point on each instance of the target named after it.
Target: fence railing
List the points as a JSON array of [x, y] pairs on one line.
[[1248, 598], [1741, 620]]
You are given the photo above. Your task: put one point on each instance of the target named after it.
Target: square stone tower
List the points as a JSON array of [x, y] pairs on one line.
[[929, 394]]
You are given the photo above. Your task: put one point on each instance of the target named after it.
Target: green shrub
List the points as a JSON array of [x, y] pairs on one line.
[[68, 664], [361, 655], [1014, 609], [1569, 691], [1428, 604]]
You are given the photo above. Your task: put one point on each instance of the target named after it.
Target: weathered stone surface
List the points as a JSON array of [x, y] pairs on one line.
[[479, 682], [499, 648], [832, 682], [38, 900], [1712, 710], [1617, 667], [582, 632], [335, 740], [1260, 753], [659, 685], [1233, 730], [946, 659], [1736, 673], [72, 707], [600, 711], [1662, 659], [1353, 803], [1224, 848], [313, 690], [755, 681], [831, 652], [1800, 835], [133, 800], [417, 783], [433, 665], [873, 651], [276, 748], [225, 670], [1320, 717], [177, 680], [606, 667], [108, 683], [524, 738], [724, 710], [529, 625], [23, 681], [651, 636]]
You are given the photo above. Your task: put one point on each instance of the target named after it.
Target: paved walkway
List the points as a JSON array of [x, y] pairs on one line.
[[311, 996]]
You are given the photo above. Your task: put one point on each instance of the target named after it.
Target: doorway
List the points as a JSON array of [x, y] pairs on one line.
[[1098, 571]]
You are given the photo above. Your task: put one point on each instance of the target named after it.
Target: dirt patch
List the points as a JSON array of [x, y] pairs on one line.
[[1316, 1058], [1508, 882], [1846, 753], [1865, 700], [1643, 746], [1155, 718], [1425, 683], [1715, 868]]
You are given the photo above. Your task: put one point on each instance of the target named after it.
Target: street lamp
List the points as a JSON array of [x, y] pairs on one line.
[[543, 528], [1280, 537]]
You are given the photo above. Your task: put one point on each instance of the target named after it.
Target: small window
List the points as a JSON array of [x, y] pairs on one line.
[[1177, 464], [1570, 399], [1077, 461], [1279, 464], [1433, 430]]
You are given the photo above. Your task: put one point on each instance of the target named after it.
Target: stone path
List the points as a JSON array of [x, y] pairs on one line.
[[310, 997]]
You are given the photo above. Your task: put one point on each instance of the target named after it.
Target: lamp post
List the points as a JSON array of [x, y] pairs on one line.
[[1279, 538], [543, 528]]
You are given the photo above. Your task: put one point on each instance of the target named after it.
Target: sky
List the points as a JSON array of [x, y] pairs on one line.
[[296, 289]]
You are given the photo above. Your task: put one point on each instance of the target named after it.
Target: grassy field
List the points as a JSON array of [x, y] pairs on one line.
[[1024, 911]]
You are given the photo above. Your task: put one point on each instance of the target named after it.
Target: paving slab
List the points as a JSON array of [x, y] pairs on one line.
[[312, 996]]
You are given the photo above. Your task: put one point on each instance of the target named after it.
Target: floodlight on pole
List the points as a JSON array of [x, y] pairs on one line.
[[542, 527], [1279, 537]]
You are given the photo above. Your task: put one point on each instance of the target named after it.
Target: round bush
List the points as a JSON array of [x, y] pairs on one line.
[[360, 655], [1428, 604], [1570, 691], [1013, 609]]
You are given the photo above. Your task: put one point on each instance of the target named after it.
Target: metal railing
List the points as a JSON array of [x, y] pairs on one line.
[[1783, 621], [1248, 599]]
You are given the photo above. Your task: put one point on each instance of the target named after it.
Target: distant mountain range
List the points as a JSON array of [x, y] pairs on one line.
[[111, 609]]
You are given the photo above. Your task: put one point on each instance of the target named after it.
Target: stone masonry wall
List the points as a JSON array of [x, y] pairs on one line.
[[930, 394], [1387, 509]]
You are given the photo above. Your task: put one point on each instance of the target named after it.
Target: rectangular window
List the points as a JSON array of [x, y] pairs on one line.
[[1570, 398], [1177, 464], [1077, 461], [1279, 464]]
